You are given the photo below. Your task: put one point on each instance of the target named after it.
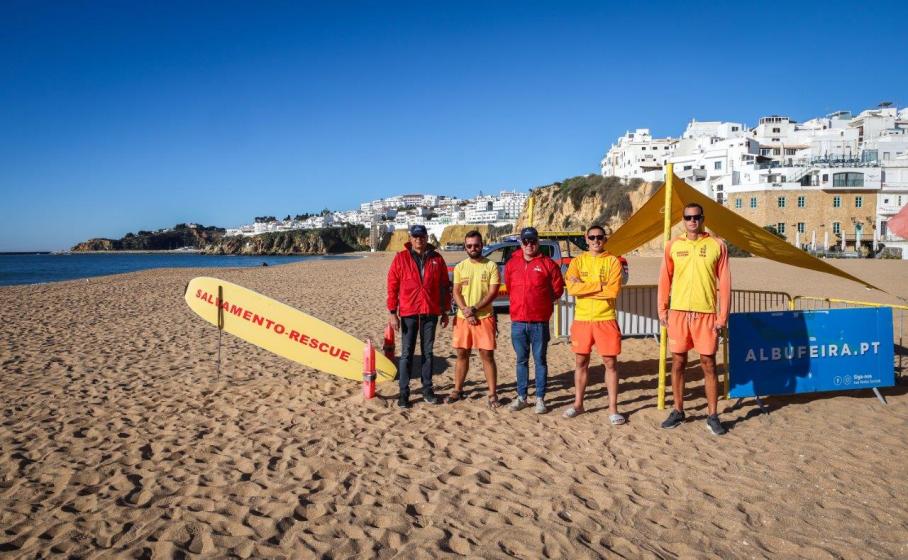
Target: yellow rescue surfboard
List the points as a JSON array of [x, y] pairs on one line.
[[282, 329]]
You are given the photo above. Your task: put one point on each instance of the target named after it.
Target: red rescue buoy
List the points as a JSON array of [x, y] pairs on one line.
[[369, 370], [388, 345]]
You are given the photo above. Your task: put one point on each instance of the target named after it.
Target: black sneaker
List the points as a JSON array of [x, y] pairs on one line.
[[403, 402], [430, 398], [714, 426], [674, 419]]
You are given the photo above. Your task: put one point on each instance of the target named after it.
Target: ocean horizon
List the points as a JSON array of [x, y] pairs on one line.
[[41, 267]]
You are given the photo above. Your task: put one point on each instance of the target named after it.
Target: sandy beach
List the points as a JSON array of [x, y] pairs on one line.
[[118, 439]]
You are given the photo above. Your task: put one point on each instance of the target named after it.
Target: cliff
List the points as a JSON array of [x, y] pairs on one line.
[[180, 236], [310, 242], [579, 202]]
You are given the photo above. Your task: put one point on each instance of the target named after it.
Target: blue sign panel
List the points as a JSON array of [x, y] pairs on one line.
[[781, 353]]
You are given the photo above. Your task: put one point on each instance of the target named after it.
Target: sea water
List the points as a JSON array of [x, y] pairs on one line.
[[36, 268]]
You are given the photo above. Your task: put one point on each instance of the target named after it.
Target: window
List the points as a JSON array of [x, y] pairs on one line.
[[720, 198], [753, 202], [776, 151], [764, 151], [802, 202], [776, 130], [848, 179], [836, 228], [738, 203], [858, 201], [781, 201], [858, 227], [734, 129], [885, 156], [837, 201], [775, 139], [687, 167], [780, 227], [717, 165], [825, 177], [790, 151], [801, 227], [643, 148]]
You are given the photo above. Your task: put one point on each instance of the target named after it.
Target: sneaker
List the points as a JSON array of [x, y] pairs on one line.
[[518, 404], [674, 419], [403, 402], [540, 407], [714, 426], [431, 398]]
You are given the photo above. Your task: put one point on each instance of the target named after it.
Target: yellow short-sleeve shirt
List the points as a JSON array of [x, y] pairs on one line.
[[475, 279]]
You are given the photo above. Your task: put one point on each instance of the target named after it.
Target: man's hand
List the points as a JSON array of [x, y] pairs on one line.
[[394, 321], [444, 320], [663, 320], [719, 327], [473, 320]]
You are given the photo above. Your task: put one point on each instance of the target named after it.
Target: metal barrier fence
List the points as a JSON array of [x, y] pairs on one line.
[[899, 314], [638, 313], [638, 310]]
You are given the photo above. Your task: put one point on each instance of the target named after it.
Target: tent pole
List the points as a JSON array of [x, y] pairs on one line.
[[666, 235]]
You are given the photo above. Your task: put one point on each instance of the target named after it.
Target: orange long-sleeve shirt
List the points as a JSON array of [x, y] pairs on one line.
[[692, 274], [599, 283]]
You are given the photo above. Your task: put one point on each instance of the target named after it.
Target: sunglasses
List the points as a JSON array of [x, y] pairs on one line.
[[595, 237], [530, 241], [473, 245], [696, 217]]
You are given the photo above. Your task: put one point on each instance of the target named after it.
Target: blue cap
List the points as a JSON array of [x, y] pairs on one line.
[[529, 233], [418, 230]]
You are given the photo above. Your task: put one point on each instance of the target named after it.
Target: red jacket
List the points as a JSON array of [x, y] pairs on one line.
[[411, 295], [533, 287]]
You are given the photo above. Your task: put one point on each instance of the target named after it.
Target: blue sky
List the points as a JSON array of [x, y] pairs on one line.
[[119, 116]]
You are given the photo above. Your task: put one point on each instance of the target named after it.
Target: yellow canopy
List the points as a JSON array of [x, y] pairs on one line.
[[646, 224]]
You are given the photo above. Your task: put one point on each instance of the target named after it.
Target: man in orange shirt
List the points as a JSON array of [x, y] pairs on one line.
[[694, 268]]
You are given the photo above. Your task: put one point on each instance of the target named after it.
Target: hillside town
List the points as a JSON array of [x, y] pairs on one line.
[[401, 211], [830, 182]]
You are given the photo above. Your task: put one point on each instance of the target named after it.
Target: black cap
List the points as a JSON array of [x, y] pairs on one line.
[[529, 233], [418, 230]]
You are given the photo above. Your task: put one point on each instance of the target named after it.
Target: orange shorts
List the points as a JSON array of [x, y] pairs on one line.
[[604, 335], [689, 329], [481, 336]]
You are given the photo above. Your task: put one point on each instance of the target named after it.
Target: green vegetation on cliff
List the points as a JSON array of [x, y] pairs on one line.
[[182, 235]]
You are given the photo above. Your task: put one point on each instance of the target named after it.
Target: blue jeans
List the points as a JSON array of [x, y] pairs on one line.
[[410, 327], [525, 336]]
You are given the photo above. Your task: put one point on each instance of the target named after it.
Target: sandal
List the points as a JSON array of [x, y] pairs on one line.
[[454, 397], [493, 401], [616, 419], [572, 412]]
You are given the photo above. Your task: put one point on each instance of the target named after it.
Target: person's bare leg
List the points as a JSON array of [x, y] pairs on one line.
[[611, 382], [679, 362], [711, 382], [581, 376], [490, 369], [460, 368]]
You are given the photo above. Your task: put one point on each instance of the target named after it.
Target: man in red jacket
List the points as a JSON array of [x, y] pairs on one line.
[[534, 282], [418, 292]]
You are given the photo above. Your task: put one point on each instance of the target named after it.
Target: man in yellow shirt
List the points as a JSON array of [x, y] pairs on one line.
[[594, 278], [476, 282], [694, 300]]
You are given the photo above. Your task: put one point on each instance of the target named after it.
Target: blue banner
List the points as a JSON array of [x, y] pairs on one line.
[[787, 352]]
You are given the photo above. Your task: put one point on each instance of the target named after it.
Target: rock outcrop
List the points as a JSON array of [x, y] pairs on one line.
[[308, 241], [180, 236]]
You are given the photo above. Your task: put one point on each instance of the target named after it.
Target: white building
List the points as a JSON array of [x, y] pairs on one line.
[[637, 154]]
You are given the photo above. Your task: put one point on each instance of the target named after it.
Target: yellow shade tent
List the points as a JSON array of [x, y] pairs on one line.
[[647, 223], [651, 220]]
